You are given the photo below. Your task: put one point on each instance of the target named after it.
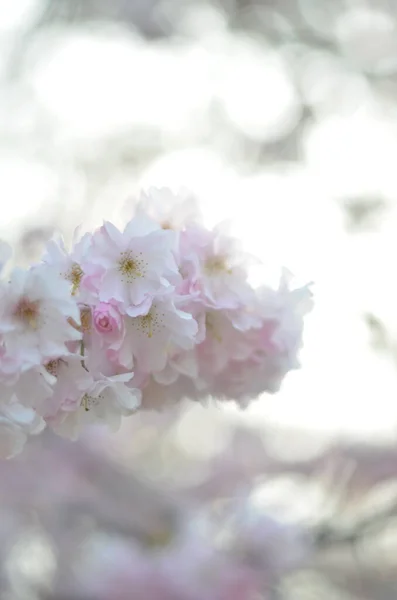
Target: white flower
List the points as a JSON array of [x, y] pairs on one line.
[[34, 311], [73, 266], [32, 388], [136, 264], [287, 306], [160, 332], [216, 265], [104, 401]]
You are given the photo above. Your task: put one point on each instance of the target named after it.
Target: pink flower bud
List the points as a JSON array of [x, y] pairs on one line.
[[106, 318]]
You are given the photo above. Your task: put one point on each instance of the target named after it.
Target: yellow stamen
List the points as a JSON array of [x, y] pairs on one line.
[[166, 225], [150, 324], [147, 323], [52, 367], [75, 275], [158, 539], [211, 327], [88, 402], [84, 402], [131, 267], [216, 265]]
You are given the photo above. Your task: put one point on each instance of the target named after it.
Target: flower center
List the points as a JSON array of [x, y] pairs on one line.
[[130, 267], [27, 311], [52, 367], [104, 322], [158, 538], [75, 275], [88, 402], [215, 265], [210, 325], [149, 324], [166, 225]]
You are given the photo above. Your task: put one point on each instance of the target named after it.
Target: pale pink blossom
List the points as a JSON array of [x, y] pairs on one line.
[[102, 401], [215, 264], [104, 340], [34, 312], [156, 335], [33, 388], [107, 319], [223, 342], [274, 345], [73, 266], [288, 306], [70, 380], [135, 265]]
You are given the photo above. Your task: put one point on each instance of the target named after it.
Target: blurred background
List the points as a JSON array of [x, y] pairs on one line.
[[280, 115]]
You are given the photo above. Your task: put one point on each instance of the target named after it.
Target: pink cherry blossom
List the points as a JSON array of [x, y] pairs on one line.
[[136, 264], [104, 401], [32, 387], [106, 319], [154, 336], [74, 266], [214, 264], [103, 340], [71, 379], [34, 312]]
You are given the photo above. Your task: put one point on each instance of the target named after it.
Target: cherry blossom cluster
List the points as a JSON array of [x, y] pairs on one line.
[[141, 317]]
